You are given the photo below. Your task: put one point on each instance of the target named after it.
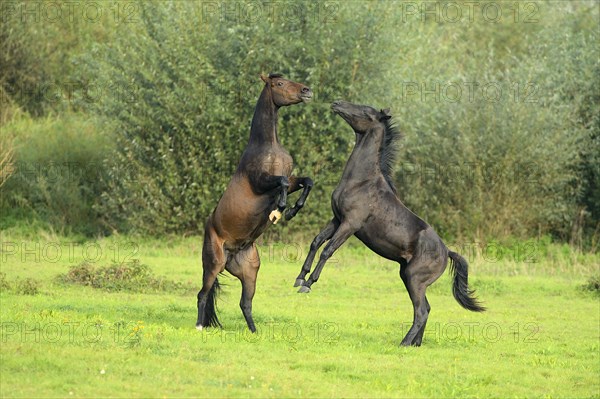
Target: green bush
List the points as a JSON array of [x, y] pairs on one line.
[[132, 277], [506, 167], [38, 51], [176, 89], [27, 286], [59, 173], [4, 284], [192, 88], [593, 285]]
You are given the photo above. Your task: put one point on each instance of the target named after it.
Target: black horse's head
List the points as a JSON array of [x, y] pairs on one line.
[[285, 92], [361, 118]]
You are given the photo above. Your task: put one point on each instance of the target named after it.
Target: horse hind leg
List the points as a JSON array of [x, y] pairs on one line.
[[244, 265], [417, 275], [416, 290], [419, 336], [213, 263]]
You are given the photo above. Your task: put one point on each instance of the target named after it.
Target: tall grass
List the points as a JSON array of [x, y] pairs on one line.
[[59, 172]]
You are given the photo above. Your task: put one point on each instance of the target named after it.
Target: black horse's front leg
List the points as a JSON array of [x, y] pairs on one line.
[[296, 183], [263, 183]]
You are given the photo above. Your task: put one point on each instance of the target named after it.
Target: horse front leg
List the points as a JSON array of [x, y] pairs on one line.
[[342, 233], [263, 183], [297, 183], [323, 236]]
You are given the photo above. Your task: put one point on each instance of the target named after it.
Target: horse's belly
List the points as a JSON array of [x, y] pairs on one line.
[[241, 216], [381, 246]]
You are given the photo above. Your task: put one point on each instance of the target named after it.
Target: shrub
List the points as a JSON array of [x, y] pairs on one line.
[[488, 168], [132, 277], [593, 284], [59, 172], [27, 286], [4, 284]]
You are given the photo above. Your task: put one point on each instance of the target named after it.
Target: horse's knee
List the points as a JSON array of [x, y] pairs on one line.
[[314, 246]]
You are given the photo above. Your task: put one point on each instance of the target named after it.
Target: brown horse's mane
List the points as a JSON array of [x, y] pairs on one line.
[[388, 151]]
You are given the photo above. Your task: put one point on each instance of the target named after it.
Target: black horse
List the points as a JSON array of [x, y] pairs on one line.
[[365, 203], [253, 200]]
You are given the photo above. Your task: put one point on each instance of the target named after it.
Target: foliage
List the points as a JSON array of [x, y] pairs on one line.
[[170, 94], [26, 286], [470, 167], [131, 276], [59, 172], [6, 158], [593, 284]]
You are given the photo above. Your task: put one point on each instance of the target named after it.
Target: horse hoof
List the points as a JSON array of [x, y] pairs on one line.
[[199, 327], [304, 289], [299, 282], [274, 216]]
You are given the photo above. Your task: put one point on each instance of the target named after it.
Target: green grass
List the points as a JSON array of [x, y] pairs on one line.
[[539, 338]]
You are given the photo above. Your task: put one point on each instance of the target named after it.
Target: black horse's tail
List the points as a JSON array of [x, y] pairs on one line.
[[210, 311], [460, 288]]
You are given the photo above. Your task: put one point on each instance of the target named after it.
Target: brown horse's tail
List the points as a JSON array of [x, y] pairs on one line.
[[210, 311], [460, 288]]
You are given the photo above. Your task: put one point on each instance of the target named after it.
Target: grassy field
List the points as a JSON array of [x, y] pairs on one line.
[[539, 338]]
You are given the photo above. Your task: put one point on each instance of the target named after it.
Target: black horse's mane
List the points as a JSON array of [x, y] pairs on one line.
[[388, 152]]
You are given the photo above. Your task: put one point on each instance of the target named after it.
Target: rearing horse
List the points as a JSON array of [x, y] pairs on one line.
[[254, 199], [366, 204]]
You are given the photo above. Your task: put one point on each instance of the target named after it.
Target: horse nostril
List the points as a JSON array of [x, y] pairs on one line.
[[305, 90]]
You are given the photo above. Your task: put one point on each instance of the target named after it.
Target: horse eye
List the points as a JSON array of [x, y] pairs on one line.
[[279, 83]]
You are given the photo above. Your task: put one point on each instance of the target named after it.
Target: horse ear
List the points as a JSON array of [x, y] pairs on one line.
[[386, 113], [264, 78]]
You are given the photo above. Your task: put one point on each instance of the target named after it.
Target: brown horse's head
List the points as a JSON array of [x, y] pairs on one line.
[[285, 92]]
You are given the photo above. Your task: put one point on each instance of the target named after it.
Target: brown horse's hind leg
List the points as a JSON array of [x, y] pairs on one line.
[[323, 236], [244, 265], [213, 263]]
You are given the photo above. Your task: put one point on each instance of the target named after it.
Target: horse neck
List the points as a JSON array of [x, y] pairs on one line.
[[364, 160], [264, 122]]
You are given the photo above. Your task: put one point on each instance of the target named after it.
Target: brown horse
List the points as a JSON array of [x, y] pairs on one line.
[[253, 200]]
